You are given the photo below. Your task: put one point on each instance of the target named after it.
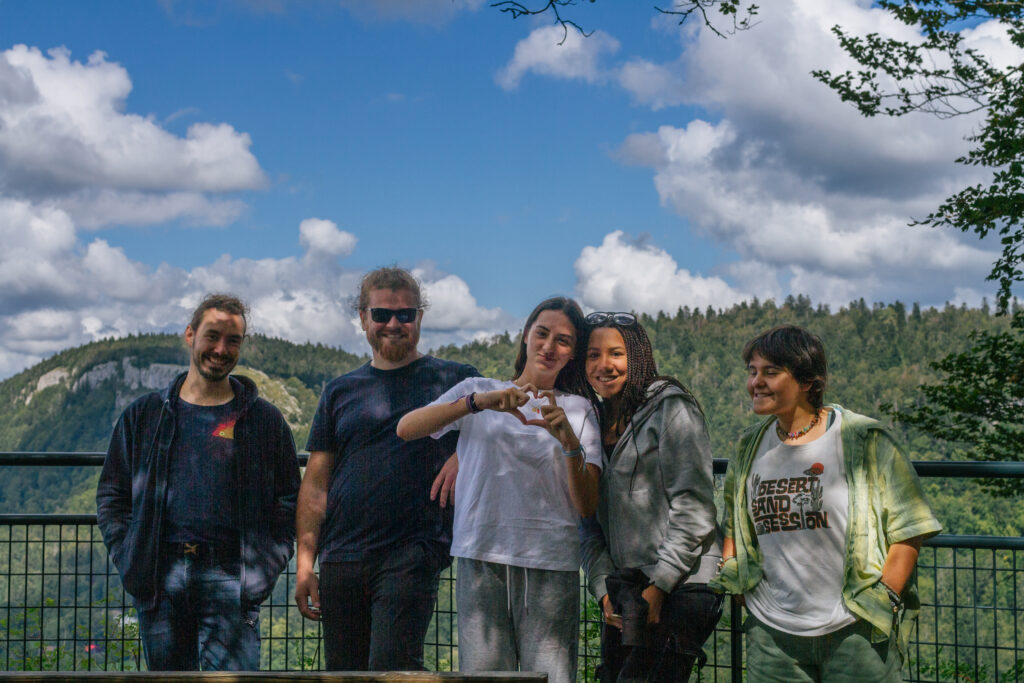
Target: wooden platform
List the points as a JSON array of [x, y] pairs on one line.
[[276, 676]]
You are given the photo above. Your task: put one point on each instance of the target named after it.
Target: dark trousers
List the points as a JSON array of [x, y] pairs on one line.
[[376, 611], [665, 651], [199, 621]]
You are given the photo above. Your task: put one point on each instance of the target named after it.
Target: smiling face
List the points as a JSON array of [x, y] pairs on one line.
[[550, 344], [215, 346], [393, 342], [606, 362], [773, 389]]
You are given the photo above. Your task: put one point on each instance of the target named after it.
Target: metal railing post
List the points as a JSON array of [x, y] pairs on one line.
[[736, 640]]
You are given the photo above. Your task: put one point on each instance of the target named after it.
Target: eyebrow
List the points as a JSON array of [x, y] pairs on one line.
[[569, 338]]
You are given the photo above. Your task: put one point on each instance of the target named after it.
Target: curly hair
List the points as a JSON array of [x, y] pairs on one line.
[[388, 277]]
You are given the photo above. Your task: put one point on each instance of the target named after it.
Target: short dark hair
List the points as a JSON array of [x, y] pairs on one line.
[[229, 303], [798, 350], [388, 277], [570, 378]]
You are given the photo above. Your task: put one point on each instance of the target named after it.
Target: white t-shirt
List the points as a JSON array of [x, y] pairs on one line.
[[512, 503], [798, 498]]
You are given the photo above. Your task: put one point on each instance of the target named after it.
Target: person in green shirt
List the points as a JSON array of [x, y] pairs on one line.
[[824, 517]]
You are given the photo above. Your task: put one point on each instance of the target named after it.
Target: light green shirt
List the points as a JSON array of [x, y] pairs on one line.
[[887, 506]]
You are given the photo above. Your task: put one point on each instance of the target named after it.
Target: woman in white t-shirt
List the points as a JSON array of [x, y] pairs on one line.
[[824, 516], [529, 463]]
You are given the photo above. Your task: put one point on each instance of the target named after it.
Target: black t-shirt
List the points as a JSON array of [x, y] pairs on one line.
[[379, 491], [202, 477]]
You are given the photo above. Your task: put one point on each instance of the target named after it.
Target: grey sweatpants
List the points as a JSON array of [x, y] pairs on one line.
[[514, 618]]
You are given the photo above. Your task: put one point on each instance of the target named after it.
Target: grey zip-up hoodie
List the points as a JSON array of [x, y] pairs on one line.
[[656, 510]]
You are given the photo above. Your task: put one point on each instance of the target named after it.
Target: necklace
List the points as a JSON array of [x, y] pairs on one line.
[[783, 435]]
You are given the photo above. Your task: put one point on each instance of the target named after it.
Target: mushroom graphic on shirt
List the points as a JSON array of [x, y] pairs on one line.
[[815, 470]]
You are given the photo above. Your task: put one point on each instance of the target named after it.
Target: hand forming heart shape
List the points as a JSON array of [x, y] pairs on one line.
[[534, 407]]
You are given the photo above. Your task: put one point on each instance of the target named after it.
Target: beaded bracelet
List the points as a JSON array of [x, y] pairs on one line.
[[579, 450], [894, 598]]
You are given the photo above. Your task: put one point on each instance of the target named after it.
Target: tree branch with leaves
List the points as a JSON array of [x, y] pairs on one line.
[[978, 406], [940, 75], [739, 13]]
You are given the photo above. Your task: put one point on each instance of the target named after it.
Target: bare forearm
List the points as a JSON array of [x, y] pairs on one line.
[[311, 508], [429, 419], [728, 548], [900, 562], [583, 485], [308, 520]]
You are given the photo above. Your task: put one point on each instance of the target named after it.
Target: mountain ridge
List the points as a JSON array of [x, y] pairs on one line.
[[878, 353]]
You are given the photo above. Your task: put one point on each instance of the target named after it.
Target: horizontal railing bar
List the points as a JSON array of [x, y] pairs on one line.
[[15, 459], [963, 469], [53, 519], [69, 459], [969, 468], [939, 541], [972, 541]]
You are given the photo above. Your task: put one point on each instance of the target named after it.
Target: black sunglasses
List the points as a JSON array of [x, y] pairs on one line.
[[384, 315], [624, 319]]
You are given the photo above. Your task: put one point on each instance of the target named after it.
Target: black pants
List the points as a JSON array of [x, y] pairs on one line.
[[667, 650], [376, 611]]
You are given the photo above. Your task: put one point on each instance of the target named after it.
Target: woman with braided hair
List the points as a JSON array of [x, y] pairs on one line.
[[653, 545]]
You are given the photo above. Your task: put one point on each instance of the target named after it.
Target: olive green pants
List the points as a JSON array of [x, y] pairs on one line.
[[846, 655]]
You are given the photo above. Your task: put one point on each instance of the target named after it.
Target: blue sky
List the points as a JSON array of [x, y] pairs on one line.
[[152, 151]]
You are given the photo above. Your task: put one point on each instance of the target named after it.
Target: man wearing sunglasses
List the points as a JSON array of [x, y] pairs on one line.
[[365, 506]]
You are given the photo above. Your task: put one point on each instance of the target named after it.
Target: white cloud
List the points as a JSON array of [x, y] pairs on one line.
[[830, 244], [813, 197], [453, 307], [71, 159], [620, 275], [59, 293], [652, 84], [113, 273], [553, 52], [971, 297], [66, 139], [97, 208], [319, 235]]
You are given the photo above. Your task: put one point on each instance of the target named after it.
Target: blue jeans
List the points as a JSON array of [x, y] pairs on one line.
[[199, 621], [376, 610]]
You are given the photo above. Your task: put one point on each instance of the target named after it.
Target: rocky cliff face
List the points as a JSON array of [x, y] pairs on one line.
[[70, 402]]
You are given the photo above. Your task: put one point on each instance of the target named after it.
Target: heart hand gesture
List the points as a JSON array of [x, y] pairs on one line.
[[557, 423], [508, 401]]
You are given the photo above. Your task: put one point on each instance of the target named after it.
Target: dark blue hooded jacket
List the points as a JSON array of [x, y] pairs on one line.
[[132, 490]]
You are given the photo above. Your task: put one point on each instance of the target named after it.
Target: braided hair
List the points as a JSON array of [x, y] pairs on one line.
[[641, 373]]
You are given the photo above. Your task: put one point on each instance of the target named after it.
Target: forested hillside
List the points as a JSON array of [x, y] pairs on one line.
[[878, 354]]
